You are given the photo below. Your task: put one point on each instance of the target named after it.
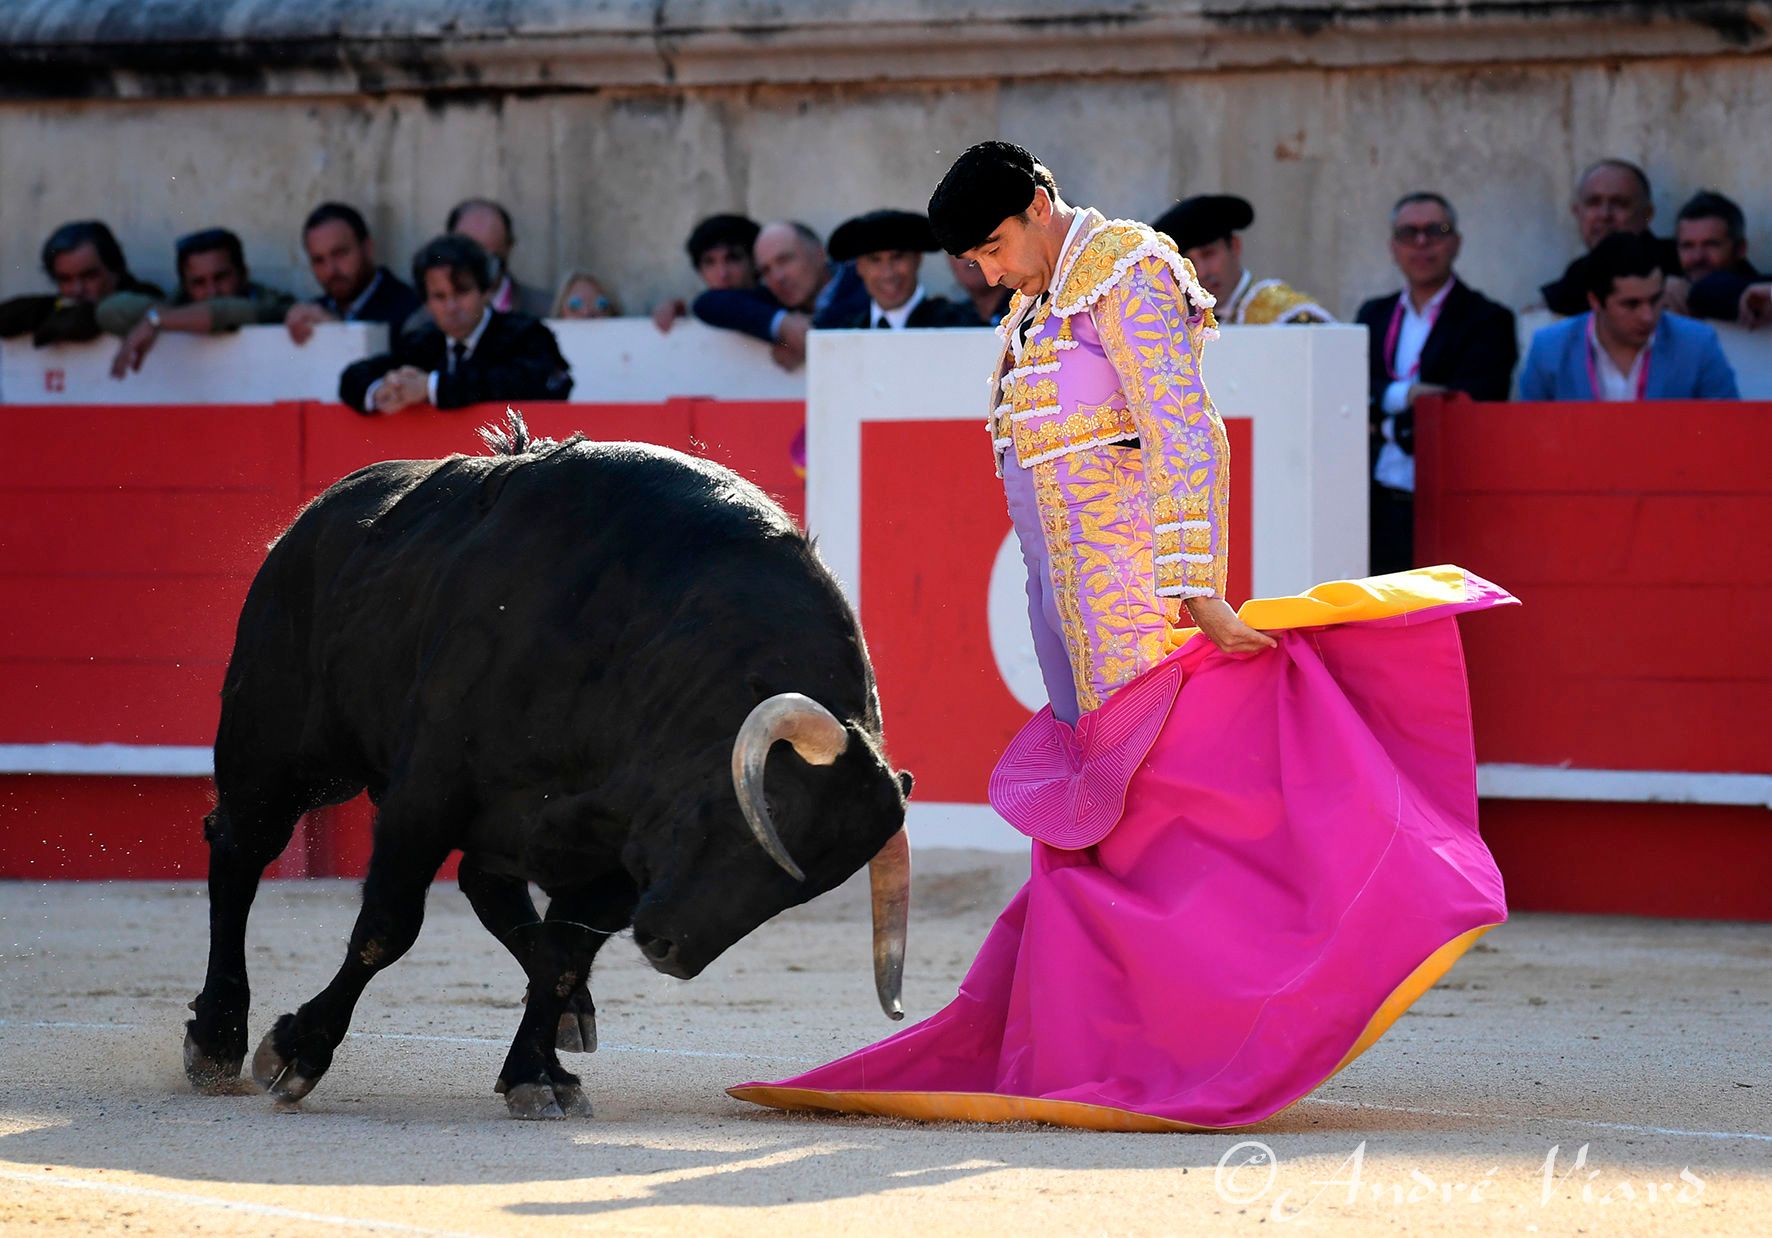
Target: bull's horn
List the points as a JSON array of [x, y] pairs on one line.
[[815, 734], [890, 875]]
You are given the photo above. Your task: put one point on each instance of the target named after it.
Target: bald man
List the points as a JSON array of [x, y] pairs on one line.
[[801, 289], [1611, 195]]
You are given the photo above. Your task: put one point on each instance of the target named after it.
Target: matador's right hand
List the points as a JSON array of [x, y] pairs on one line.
[[1219, 622]]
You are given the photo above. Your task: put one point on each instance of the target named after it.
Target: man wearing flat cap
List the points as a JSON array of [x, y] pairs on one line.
[[887, 248], [1205, 229]]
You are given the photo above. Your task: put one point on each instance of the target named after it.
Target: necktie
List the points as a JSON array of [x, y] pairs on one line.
[[882, 325], [457, 351]]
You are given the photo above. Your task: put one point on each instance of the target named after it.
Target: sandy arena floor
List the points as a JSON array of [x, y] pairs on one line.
[[1618, 1054]]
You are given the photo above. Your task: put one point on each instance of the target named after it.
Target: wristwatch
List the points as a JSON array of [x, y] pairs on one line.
[[152, 317]]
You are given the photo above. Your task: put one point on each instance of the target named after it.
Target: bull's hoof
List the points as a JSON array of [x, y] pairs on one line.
[[276, 1075], [533, 1102], [578, 1032], [571, 1098], [217, 1075]]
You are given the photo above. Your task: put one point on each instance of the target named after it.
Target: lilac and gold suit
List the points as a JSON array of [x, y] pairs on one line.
[[1113, 459]]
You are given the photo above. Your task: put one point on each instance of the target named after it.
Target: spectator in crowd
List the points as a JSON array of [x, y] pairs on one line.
[[488, 224], [989, 302], [468, 353], [887, 248], [86, 265], [1711, 236], [1625, 347], [353, 288], [581, 296], [216, 293], [1436, 335], [719, 249], [1205, 229], [1612, 195], [807, 291]]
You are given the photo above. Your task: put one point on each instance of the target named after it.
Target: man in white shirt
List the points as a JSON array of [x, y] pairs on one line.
[[1436, 336], [887, 248]]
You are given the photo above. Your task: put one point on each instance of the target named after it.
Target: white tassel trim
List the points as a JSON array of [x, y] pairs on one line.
[[1028, 414], [1194, 524], [1179, 558], [1170, 527], [1187, 591], [1022, 371], [1104, 441]]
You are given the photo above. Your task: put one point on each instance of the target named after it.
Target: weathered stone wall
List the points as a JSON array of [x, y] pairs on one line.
[[611, 178]]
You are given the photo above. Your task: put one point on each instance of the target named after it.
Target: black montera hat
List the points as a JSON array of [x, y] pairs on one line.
[[986, 185], [1201, 220], [878, 230]]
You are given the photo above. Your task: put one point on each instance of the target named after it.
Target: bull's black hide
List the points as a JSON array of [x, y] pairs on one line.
[[541, 658]]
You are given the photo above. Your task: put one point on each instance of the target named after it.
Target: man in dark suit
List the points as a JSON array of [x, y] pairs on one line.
[[353, 288], [887, 248], [1613, 195], [1436, 335], [469, 353]]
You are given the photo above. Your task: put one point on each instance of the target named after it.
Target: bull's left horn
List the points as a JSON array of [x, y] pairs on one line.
[[889, 873], [815, 734]]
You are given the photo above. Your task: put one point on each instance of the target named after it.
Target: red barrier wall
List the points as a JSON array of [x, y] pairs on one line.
[[128, 537], [1639, 540]]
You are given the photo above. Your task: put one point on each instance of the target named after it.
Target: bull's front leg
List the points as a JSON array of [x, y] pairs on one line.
[[503, 906], [559, 952], [298, 1050]]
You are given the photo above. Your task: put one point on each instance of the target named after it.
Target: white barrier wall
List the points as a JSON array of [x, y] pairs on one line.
[[254, 365], [613, 361]]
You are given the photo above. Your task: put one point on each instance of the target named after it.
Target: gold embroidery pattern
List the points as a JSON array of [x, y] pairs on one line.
[[1045, 437], [1116, 627], [1276, 302], [1144, 329], [1055, 521]]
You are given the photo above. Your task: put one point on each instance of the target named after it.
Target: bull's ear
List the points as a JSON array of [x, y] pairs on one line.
[[905, 780]]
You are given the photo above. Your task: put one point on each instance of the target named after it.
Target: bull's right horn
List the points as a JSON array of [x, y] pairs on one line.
[[816, 735], [889, 873]]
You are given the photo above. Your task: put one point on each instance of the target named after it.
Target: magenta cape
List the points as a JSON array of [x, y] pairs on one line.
[[1290, 858]]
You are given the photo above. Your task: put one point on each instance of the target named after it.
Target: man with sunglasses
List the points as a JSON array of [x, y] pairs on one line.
[[1435, 335], [215, 293]]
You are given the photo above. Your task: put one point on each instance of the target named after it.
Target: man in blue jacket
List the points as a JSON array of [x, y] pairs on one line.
[[1625, 348]]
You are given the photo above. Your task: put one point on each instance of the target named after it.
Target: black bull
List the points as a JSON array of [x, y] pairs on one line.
[[572, 663]]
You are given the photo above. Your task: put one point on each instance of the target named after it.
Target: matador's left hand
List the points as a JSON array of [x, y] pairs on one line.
[[1222, 627]]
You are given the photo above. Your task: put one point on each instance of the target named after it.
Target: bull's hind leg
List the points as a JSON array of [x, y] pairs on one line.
[[245, 834], [298, 1050], [560, 951], [503, 905]]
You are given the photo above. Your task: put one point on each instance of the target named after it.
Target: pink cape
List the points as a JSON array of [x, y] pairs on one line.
[[1261, 868]]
